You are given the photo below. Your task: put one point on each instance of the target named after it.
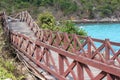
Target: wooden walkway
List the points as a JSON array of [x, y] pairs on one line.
[[61, 56], [22, 28]]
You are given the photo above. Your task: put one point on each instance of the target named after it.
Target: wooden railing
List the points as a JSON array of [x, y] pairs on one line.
[[69, 56], [24, 16]]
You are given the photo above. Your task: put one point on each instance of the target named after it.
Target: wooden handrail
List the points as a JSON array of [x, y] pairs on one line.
[[66, 56]]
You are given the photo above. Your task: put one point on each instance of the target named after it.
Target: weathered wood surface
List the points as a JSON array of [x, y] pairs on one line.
[[63, 55], [22, 28]]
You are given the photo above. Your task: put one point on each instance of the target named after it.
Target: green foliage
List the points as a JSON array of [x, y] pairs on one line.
[[10, 65], [82, 32], [69, 27], [7, 66], [87, 8], [6, 71], [4, 74], [68, 6], [47, 21], [105, 7], [105, 10], [46, 18]]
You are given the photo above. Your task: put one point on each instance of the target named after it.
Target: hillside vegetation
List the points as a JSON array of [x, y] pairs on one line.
[[47, 21], [65, 9], [8, 63]]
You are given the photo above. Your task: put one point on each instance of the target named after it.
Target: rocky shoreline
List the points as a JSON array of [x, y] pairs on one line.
[[104, 20]]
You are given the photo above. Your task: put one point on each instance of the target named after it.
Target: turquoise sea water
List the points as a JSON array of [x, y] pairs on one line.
[[103, 31]]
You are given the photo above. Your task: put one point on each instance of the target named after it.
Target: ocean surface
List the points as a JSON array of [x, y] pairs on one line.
[[103, 31]]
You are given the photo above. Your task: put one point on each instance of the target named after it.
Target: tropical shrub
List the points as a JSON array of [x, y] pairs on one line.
[[47, 21], [69, 27]]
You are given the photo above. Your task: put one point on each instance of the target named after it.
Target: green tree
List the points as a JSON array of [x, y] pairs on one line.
[[69, 27], [47, 21], [68, 6]]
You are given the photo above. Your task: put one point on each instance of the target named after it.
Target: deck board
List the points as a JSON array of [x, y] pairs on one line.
[[22, 28]]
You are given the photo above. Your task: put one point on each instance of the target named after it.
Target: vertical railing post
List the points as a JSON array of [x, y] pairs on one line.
[[89, 46], [47, 56], [110, 77], [107, 53], [80, 72], [61, 64]]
